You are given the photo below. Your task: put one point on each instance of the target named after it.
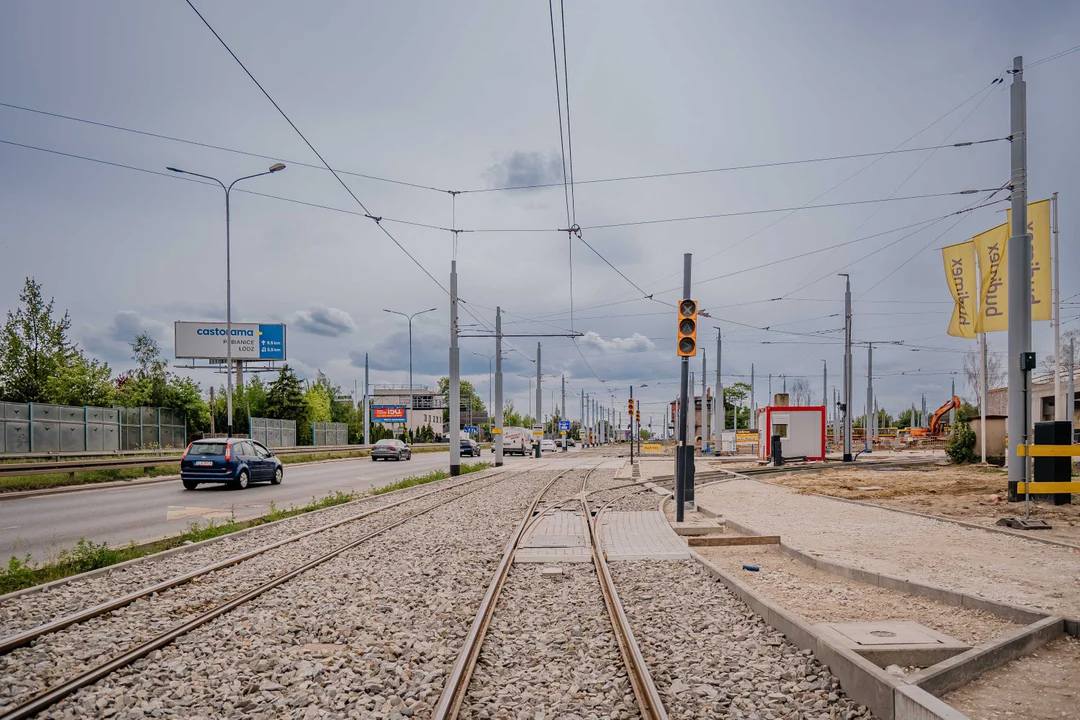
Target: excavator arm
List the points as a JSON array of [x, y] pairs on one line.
[[935, 421]]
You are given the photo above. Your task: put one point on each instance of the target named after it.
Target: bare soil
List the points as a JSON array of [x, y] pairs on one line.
[[820, 596], [970, 493], [1039, 686]]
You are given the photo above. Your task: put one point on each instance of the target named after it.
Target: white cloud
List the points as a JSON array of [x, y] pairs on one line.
[[635, 343], [326, 321]]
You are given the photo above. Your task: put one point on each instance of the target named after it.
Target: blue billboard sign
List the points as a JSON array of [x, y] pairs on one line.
[[564, 426]]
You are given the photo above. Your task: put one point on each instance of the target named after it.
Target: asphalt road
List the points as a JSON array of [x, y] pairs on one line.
[[45, 524]]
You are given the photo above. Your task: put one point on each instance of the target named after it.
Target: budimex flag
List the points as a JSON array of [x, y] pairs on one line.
[[994, 291], [1039, 227], [960, 273]]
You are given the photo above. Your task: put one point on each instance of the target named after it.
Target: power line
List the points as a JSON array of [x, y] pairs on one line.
[[312, 148]]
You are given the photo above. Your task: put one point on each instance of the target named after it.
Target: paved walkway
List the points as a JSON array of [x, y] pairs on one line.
[[640, 536]]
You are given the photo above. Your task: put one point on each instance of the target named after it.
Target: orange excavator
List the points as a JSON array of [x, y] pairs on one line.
[[937, 420]]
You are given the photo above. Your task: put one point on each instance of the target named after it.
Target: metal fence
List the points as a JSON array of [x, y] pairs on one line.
[[273, 433], [330, 434], [37, 427]]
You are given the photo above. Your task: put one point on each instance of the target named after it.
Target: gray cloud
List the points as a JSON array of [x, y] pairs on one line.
[[522, 168], [113, 342], [326, 321], [635, 343]]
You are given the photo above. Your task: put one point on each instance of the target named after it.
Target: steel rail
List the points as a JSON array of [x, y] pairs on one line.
[[649, 702], [11, 642], [58, 692], [457, 682]]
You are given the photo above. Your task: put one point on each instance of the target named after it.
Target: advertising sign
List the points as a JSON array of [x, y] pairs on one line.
[[250, 341], [388, 413]]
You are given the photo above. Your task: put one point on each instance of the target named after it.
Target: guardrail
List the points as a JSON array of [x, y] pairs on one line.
[[144, 458]]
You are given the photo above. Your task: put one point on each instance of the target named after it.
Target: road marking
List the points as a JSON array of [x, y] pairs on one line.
[[178, 512], [10, 527]]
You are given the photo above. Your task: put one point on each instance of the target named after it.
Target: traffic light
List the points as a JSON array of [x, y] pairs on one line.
[[639, 416], [630, 407], [687, 328]]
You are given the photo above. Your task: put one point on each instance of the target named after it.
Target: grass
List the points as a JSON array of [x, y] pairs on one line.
[[432, 476], [86, 555]]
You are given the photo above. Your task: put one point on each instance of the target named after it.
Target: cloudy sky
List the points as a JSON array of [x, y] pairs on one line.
[[460, 96]]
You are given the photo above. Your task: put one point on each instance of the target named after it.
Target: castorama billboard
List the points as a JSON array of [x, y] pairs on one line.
[[250, 341]]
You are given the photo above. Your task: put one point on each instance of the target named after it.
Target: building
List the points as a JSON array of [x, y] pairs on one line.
[[424, 408], [1042, 401]]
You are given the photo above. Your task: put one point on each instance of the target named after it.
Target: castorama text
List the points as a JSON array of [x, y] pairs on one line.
[[211, 341]]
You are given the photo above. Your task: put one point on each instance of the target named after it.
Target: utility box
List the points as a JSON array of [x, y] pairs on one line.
[[801, 429], [1053, 469]]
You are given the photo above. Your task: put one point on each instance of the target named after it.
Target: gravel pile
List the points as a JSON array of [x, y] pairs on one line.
[[371, 633], [644, 500], [36, 608], [550, 651], [28, 670], [710, 656]]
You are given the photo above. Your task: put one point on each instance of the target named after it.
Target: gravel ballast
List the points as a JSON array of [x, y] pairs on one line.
[[991, 565], [30, 609], [550, 651], [30, 669], [711, 656], [371, 633]]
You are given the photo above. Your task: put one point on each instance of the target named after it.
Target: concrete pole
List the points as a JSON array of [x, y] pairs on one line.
[[704, 404], [564, 414], [769, 398], [952, 413], [498, 388], [847, 368], [1059, 407], [1019, 259], [982, 394], [367, 404], [825, 385], [720, 413], [753, 415], [1071, 393], [455, 377], [581, 419], [685, 448], [539, 397], [868, 425]]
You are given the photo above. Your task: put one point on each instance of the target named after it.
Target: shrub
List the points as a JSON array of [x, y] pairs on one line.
[[960, 447]]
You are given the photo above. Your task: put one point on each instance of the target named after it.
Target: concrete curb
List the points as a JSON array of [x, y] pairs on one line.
[[184, 548], [961, 669]]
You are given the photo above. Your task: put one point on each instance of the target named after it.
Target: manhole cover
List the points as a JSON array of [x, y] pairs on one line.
[[882, 633]]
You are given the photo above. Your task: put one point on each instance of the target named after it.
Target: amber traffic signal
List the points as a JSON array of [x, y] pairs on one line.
[[687, 328], [630, 406], [639, 416]]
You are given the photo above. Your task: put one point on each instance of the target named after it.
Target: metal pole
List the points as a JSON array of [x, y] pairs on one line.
[[631, 424], [1071, 396], [719, 395], [952, 412], [752, 420], [685, 449], [1059, 407], [563, 414], [704, 404], [847, 368], [367, 405], [825, 384], [539, 397], [982, 394], [228, 317], [868, 425], [581, 419], [1019, 259], [410, 368], [455, 377], [498, 388]]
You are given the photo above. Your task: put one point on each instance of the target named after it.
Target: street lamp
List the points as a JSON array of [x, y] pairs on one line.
[[410, 317], [276, 167], [530, 379]]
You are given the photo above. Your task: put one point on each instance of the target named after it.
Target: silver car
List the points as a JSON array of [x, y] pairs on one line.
[[391, 450]]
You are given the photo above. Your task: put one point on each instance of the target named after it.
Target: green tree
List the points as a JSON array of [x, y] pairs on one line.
[[83, 381], [150, 384], [645, 434], [318, 405], [467, 392], [903, 420], [511, 418], [960, 447], [285, 398], [734, 398], [33, 346]]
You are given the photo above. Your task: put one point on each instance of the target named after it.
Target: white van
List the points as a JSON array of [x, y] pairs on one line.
[[516, 441]]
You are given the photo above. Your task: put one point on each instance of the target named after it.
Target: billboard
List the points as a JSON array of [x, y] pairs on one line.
[[388, 413], [250, 341]]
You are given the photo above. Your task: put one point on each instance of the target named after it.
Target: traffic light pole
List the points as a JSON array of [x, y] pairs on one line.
[[685, 469], [631, 409]]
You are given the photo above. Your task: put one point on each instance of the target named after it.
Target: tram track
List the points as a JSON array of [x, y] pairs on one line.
[[457, 691], [23, 650]]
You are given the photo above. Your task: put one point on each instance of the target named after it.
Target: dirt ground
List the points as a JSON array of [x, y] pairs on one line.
[[1040, 686], [819, 596], [957, 492]]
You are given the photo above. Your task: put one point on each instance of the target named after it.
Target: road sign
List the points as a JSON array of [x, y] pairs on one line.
[[564, 426], [496, 431], [471, 429]]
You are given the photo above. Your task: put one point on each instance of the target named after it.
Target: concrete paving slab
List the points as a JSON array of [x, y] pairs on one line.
[[640, 536]]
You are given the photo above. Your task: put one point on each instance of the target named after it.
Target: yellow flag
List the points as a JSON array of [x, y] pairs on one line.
[[994, 291], [960, 273], [1038, 226]]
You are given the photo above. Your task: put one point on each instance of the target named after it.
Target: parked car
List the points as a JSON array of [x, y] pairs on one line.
[[469, 447], [570, 442], [391, 449], [234, 461], [547, 445]]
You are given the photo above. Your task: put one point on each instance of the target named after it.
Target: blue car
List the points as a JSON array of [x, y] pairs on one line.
[[234, 461]]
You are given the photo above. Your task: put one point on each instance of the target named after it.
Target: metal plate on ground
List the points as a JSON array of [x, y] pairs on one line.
[[886, 633]]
